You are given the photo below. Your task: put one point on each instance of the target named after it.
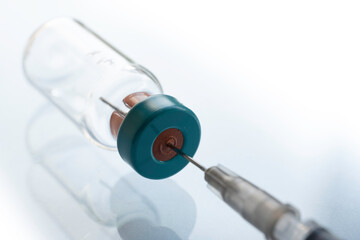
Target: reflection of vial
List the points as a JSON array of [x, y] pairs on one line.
[[139, 208], [115, 102], [73, 67]]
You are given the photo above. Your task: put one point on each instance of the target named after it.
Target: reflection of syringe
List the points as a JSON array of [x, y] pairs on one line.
[[276, 220]]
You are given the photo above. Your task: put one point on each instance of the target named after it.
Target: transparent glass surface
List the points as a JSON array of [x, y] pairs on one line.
[[74, 67]]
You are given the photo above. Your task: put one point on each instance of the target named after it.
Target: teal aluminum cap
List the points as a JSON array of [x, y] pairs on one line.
[[144, 123]]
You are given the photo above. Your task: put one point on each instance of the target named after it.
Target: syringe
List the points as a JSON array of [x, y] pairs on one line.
[[276, 220]]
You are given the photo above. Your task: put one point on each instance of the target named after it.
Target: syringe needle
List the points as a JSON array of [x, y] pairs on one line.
[[187, 157], [113, 106]]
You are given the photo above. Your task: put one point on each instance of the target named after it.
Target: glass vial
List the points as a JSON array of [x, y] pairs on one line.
[[73, 67]]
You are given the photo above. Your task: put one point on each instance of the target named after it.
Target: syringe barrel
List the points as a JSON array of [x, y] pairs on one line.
[[291, 227], [255, 205]]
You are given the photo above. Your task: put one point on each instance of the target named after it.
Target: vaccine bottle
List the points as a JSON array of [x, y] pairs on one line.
[[115, 102]]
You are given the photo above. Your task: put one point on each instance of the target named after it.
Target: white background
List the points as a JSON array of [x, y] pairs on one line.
[[274, 83]]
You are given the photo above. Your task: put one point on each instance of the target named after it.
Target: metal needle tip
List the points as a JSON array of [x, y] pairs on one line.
[[187, 157], [113, 106]]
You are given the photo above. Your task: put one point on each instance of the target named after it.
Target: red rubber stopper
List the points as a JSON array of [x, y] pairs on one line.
[[161, 150]]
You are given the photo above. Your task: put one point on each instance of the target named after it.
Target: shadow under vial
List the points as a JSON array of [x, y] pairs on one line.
[[92, 195]]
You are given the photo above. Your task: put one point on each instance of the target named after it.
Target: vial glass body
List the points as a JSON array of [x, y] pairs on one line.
[[73, 67]]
